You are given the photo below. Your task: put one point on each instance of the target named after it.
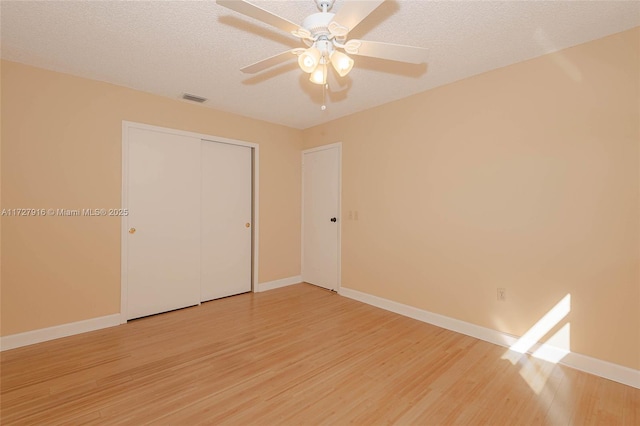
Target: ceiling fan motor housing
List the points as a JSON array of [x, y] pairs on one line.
[[318, 24]]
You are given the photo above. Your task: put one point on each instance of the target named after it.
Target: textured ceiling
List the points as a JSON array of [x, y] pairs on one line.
[[198, 47]]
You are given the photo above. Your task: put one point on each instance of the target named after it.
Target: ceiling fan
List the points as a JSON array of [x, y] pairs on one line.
[[326, 36]]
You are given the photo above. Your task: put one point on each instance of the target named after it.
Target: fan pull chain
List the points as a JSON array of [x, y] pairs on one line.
[[324, 96]]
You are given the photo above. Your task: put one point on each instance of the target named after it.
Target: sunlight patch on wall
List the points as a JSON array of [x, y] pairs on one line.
[[537, 369], [543, 326], [557, 347], [569, 68]]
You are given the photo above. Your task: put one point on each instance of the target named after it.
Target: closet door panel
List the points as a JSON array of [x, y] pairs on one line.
[[226, 219], [163, 242]]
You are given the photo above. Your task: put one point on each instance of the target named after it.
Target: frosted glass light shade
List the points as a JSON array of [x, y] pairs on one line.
[[341, 62], [309, 59], [319, 75]]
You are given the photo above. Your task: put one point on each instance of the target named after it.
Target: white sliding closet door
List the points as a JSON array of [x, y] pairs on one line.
[[226, 219], [163, 242]]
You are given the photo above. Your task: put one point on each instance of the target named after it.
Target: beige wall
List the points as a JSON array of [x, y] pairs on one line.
[[61, 148], [526, 177]]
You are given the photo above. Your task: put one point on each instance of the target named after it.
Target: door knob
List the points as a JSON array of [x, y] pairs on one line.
[[247, 225], [132, 230], [333, 219]]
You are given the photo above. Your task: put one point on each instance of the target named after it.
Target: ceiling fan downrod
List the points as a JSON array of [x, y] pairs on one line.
[[324, 5]]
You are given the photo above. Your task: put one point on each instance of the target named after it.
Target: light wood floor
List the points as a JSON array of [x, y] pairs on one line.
[[296, 355]]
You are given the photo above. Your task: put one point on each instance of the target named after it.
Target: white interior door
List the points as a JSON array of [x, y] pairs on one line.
[[321, 203], [163, 243], [226, 219]]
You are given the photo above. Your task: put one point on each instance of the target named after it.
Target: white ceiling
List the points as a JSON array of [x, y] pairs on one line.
[[198, 47]]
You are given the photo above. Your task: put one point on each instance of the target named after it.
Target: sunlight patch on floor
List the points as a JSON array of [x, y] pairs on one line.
[[536, 373]]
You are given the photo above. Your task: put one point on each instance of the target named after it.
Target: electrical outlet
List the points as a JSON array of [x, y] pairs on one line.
[[502, 294], [355, 215], [350, 214]]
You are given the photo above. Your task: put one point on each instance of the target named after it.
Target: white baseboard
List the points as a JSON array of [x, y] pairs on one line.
[[42, 335], [597, 367], [608, 370], [279, 283]]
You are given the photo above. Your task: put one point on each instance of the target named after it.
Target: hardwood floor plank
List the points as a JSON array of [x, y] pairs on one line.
[[296, 355]]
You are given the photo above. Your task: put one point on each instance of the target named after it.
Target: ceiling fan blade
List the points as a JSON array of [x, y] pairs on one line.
[[256, 12], [353, 12], [393, 52], [270, 62]]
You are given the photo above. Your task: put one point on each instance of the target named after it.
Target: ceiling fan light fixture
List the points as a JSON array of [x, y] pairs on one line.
[[319, 75], [322, 36], [309, 59], [341, 63]]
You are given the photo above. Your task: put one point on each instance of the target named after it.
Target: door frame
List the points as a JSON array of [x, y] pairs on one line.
[[126, 126], [337, 145]]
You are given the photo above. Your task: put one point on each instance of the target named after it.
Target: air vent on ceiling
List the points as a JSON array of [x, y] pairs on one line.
[[194, 98]]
